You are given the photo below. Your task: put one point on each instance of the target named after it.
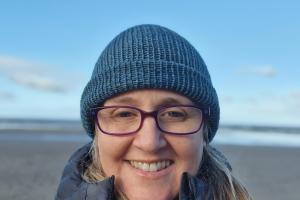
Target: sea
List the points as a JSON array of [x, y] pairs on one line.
[[45, 130]]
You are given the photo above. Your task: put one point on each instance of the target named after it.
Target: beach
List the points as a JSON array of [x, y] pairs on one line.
[[269, 173], [31, 169]]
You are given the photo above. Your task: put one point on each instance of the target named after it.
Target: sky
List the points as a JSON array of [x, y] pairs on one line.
[[48, 50]]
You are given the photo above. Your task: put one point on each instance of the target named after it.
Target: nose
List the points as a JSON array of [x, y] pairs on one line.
[[149, 138]]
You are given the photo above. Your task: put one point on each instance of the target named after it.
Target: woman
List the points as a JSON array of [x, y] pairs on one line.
[[151, 110]]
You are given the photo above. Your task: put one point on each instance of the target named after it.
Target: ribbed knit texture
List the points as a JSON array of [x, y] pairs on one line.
[[149, 56]]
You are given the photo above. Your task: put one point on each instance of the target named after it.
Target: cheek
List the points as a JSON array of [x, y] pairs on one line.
[[190, 152], [111, 152]]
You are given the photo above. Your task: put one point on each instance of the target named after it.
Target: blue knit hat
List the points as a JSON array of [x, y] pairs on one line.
[[150, 56]]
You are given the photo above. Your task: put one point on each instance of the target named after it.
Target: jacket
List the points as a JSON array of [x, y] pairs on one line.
[[73, 187]]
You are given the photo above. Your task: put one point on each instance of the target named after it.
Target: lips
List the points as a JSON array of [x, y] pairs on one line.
[[151, 167]]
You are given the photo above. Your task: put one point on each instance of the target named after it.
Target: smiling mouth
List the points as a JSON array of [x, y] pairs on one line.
[[151, 167]]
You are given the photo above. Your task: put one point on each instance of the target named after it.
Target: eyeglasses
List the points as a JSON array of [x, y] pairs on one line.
[[126, 120]]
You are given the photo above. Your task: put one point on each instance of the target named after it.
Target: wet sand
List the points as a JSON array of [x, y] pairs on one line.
[[31, 170]]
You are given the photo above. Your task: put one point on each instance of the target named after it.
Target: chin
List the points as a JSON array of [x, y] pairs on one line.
[[148, 194], [150, 189]]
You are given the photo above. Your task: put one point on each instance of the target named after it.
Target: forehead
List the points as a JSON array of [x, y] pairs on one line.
[[149, 97]]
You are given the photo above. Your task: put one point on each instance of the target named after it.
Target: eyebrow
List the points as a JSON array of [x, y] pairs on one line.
[[126, 100], [163, 102], [172, 101]]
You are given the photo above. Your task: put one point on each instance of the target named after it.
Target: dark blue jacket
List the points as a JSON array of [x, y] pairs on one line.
[[73, 187]]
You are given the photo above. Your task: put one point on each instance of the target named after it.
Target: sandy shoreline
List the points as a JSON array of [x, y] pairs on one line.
[[31, 170]]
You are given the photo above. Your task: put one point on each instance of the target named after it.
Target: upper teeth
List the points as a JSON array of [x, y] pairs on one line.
[[151, 167]]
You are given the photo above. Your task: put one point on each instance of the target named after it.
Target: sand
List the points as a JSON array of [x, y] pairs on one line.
[[31, 170]]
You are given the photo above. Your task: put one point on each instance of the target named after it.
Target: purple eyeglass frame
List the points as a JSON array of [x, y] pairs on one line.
[[153, 114]]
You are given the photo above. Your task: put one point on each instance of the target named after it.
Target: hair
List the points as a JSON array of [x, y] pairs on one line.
[[214, 170]]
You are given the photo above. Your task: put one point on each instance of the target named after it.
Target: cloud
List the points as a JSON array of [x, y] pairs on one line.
[[40, 83], [268, 109], [7, 96], [295, 95], [267, 71], [263, 71], [36, 76], [226, 99]]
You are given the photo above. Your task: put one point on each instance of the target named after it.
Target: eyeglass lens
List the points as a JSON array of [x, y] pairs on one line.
[[124, 120]]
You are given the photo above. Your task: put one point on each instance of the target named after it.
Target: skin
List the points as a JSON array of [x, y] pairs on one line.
[[149, 145]]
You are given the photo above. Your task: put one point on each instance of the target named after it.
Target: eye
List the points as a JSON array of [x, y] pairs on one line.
[[125, 113], [172, 114]]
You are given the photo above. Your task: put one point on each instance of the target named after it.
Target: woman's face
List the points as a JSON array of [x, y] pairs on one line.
[[149, 146]]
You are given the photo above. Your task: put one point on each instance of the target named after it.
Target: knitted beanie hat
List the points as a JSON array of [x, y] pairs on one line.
[[150, 56]]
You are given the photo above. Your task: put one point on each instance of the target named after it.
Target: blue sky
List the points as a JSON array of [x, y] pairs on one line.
[[48, 50]]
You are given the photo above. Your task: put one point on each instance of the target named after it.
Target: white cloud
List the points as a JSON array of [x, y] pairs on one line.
[[267, 71], [226, 99], [7, 96], [295, 95], [36, 76], [38, 82], [272, 109], [264, 71]]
